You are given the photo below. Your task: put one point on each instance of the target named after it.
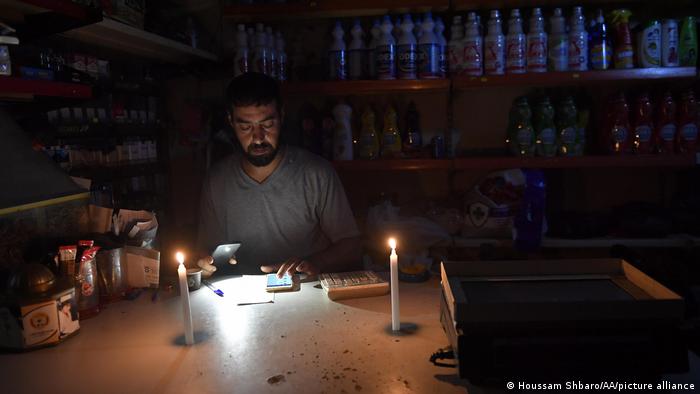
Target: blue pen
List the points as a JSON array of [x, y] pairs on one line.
[[214, 289]]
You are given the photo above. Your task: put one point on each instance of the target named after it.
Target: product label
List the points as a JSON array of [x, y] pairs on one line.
[[624, 57], [454, 61], [619, 135], [537, 53], [524, 137], [547, 136], [568, 135], [428, 61], [668, 132], [407, 66], [601, 56], [337, 66], [385, 60], [390, 144], [472, 57], [368, 146], [643, 133], [515, 49], [578, 52], [689, 132], [651, 46], [442, 61], [558, 55], [494, 56], [669, 45]]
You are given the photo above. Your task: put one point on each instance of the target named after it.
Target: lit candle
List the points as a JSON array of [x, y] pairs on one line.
[[394, 269], [185, 298]]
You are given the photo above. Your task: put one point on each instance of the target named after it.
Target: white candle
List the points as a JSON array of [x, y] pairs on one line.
[[394, 269], [185, 299]]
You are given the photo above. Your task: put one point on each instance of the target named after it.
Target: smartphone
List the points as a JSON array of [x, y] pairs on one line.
[[279, 284], [223, 253]]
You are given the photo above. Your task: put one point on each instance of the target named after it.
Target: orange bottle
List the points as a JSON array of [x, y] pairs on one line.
[[665, 133], [616, 130], [687, 135], [643, 126]]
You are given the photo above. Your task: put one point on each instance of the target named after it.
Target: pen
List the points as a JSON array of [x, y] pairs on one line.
[[214, 289]]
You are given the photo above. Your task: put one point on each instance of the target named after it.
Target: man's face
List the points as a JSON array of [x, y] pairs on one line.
[[257, 128]]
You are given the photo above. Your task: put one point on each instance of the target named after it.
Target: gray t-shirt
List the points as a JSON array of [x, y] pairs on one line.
[[300, 209]]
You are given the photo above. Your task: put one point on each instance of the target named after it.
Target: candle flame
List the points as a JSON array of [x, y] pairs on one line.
[[180, 257], [392, 243]]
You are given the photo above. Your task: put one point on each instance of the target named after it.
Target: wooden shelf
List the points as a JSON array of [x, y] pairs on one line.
[[130, 40], [393, 165], [674, 241], [28, 7], [573, 78], [501, 4], [366, 87], [23, 89], [329, 9]]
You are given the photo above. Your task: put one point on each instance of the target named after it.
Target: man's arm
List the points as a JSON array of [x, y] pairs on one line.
[[344, 255]]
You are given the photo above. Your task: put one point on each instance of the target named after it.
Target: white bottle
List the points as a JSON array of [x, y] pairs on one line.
[[260, 53], [336, 55], [455, 46], [396, 32], [240, 61], [428, 50], [473, 52], [494, 46], [272, 53], [407, 51], [251, 39], [515, 44], [418, 28], [281, 57], [376, 32], [342, 135], [537, 43], [558, 43], [440, 34], [356, 52], [385, 53], [578, 42]]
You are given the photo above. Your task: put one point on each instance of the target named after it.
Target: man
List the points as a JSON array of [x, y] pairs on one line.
[[285, 206]]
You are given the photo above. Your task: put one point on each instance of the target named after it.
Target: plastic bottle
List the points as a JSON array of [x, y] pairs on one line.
[[261, 57], [342, 135], [386, 51], [623, 52], [240, 61], [494, 46], [412, 138], [537, 43], [545, 131], [428, 50], [336, 55], [616, 130], [407, 51], [642, 124], [688, 45], [687, 136], [649, 44], [665, 133], [558, 42], [455, 47], [251, 39], [669, 43], [521, 135], [281, 57], [567, 134], [391, 138], [369, 140], [601, 52], [272, 50], [582, 117], [396, 31], [515, 44], [578, 42], [418, 28], [440, 34], [376, 32], [473, 55], [529, 221], [356, 52]]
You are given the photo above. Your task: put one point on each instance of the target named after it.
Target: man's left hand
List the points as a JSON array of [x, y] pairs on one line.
[[292, 266]]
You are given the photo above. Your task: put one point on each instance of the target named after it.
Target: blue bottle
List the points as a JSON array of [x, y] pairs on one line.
[[529, 222]]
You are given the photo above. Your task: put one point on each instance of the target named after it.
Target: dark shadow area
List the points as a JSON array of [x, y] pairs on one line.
[[199, 337]]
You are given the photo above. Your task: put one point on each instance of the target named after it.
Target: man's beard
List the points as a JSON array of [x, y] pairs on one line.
[[261, 160]]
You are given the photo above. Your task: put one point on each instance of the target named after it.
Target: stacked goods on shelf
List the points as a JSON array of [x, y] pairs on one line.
[[260, 50]]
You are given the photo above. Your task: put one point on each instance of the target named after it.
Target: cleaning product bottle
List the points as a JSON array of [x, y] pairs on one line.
[[396, 31], [521, 136], [342, 135], [336, 55], [688, 45], [386, 51], [369, 140], [666, 124], [251, 41], [261, 57], [272, 51], [494, 46], [455, 47], [558, 42], [515, 44], [687, 135], [472, 56], [281, 57], [642, 124], [412, 139], [407, 50], [440, 34], [428, 50], [578, 42], [601, 52], [566, 118], [649, 44], [240, 61], [418, 28], [545, 131], [356, 52], [376, 32], [391, 138], [623, 52], [615, 134], [537, 43]]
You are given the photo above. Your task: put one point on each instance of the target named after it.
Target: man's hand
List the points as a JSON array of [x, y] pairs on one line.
[[291, 266], [207, 266]]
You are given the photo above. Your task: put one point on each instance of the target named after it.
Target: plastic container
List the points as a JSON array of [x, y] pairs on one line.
[[624, 51], [600, 51], [473, 54], [356, 52], [649, 45], [376, 32], [407, 51], [494, 46], [440, 35], [386, 52], [455, 47], [537, 43], [558, 43], [240, 62], [337, 61], [516, 43], [578, 42], [428, 50]]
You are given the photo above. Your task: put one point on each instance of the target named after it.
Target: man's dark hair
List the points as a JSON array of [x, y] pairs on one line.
[[253, 89]]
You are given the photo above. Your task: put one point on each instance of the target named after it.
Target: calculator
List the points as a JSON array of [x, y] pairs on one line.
[[355, 284]]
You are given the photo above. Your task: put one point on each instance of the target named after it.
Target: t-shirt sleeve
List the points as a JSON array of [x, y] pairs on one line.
[[211, 229], [335, 216]]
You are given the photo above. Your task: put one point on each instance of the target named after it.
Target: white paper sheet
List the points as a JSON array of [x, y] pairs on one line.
[[246, 289]]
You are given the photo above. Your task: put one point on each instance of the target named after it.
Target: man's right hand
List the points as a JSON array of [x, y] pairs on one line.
[[207, 266]]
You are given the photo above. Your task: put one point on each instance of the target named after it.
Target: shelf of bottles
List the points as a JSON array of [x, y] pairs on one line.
[[394, 165], [18, 87], [462, 5]]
